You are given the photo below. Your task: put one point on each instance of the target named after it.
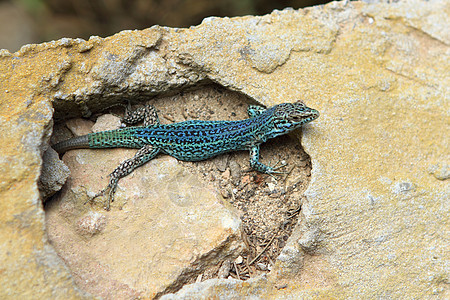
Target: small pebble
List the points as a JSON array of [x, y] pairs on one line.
[[239, 260]]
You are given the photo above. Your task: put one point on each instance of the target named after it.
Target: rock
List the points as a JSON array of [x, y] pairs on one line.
[[106, 122], [375, 217], [163, 229], [53, 175], [81, 126], [222, 289]]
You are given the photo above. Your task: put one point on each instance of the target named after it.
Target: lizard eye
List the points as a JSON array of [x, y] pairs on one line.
[[296, 118]]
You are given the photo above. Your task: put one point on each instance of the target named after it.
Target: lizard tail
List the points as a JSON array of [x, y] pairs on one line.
[[74, 143], [119, 138]]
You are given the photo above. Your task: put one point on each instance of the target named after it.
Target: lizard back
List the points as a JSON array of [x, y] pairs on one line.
[[190, 140]]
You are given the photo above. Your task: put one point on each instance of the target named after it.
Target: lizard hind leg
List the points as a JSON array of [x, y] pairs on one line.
[[144, 155], [145, 113]]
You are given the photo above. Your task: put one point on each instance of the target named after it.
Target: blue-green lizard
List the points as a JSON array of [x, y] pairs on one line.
[[193, 140]]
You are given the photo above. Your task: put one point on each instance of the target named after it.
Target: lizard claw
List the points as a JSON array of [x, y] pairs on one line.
[[102, 193], [280, 164]]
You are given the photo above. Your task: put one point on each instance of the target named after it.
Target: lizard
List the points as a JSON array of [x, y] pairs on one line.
[[192, 140]]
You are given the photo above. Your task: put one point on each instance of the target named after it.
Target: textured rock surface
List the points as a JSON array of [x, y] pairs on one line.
[[169, 229], [53, 175], [375, 224]]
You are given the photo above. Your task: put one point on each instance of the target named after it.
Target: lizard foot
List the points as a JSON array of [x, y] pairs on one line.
[[111, 189], [280, 164]]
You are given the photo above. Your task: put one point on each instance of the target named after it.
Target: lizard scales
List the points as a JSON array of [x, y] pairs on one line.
[[194, 140]]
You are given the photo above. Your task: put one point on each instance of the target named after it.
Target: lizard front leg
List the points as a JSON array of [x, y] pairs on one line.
[[259, 166], [255, 110], [144, 155]]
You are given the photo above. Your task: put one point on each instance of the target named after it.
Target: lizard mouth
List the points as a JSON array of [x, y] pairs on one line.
[[314, 114]]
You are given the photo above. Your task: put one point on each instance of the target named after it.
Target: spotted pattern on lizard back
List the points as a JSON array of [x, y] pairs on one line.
[[193, 140]]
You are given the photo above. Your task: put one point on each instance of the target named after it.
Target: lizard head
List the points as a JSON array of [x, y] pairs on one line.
[[288, 116]]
